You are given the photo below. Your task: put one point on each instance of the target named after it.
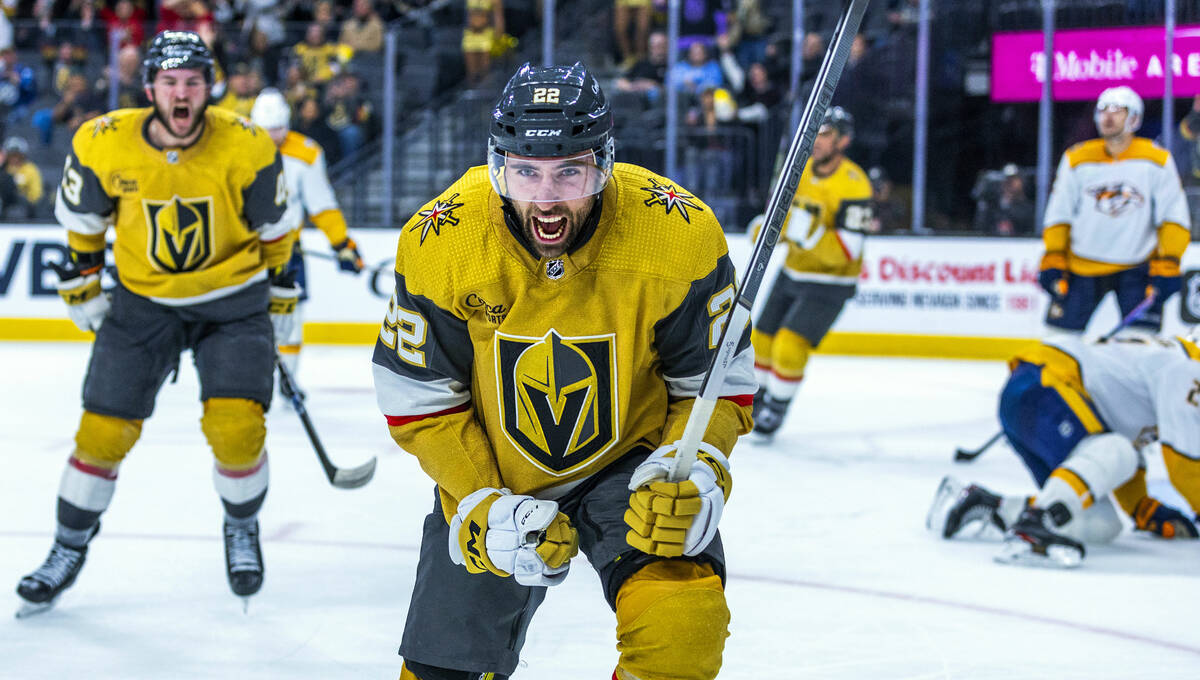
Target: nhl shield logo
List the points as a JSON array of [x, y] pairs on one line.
[[558, 397], [180, 233], [1189, 307]]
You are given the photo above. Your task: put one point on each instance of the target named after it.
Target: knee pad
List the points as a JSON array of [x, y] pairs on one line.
[[790, 354], [1103, 462], [1184, 473], [236, 431], [103, 441], [672, 622]]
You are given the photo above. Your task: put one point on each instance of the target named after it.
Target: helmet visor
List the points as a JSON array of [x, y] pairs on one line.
[[548, 180]]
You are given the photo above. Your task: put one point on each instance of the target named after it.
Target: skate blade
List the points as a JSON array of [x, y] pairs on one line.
[[28, 609], [758, 438], [943, 499], [245, 604], [1020, 553]]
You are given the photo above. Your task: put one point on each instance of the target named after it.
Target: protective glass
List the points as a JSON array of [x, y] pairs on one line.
[[548, 180]]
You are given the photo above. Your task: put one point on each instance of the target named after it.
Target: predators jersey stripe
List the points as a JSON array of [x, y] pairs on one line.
[[1094, 151], [300, 147]]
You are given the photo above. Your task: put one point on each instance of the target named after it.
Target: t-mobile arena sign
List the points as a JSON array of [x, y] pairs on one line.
[[1090, 60]]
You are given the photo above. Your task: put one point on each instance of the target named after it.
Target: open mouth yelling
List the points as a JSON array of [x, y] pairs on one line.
[[550, 229], [181, 116]]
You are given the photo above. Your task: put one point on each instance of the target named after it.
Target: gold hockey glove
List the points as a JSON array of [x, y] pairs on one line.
[[282, 306], [505, 534], [79, 286], [670, 519], [349, 260]]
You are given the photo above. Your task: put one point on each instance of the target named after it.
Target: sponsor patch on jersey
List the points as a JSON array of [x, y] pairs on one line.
[[1115, 198], [494, 313], [180, 233], [441, 214], [558, 397], [121, 184], [671, 197]]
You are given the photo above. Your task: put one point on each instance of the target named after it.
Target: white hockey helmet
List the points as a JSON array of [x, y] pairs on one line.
[[271, 110], [1122, 97]]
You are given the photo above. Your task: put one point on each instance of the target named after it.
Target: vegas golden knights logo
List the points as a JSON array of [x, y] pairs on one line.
[[558, 397], [180, 232]]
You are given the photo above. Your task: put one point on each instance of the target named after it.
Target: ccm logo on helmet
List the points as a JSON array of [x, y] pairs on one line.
[[543, 133]]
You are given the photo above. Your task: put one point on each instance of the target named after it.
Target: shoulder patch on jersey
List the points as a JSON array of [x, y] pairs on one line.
[[440, 214], [671, 197], [105, 123]]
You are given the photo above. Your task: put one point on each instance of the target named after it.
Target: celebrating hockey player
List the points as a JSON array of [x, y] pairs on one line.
[[197, 200], [1117, 220], [308, 188], [1080, 416], [553, 318], [825, 231]]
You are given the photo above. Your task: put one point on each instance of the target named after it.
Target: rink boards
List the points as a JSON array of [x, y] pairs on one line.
[[952, 297]]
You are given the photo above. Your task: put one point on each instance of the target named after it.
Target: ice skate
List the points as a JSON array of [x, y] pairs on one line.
[[40, 589], [768, 416], [243, 558], [964, 511], [1032, 541]]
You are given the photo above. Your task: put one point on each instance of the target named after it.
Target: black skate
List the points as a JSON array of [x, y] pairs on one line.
[[768, 416], [964, 511], [243, 557], [40, 589], [1033, 541]]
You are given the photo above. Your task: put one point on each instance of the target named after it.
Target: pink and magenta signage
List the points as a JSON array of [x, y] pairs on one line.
[[1087, 61]]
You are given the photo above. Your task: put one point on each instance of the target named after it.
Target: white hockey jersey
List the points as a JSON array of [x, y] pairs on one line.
[[1114, 206], [308, 184], [1146, 388]]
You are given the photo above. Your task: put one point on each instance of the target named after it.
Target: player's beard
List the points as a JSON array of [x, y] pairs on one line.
[[197, 117], [562, 234]]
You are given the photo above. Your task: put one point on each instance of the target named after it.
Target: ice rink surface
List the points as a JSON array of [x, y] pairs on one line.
[[832, 575]]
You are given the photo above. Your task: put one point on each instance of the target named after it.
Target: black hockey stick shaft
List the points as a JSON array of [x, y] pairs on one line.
[[777, 209], [1133, 315], [330, 256], [342, 478]]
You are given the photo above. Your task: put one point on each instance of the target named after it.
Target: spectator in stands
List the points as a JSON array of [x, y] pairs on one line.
[[812, 51], [130, 92], [18, 86], [1189, 127], [888, 213], [708, 160], [244, 84], [647, 75], [698, 22], [323, 14], [310, 122], [348, 113], [263, 54], [320, 60], [78, 103], [760, 97], [860, 92], [21, 189], [126, 20], [363, 30], [636, 12], [485, 25], [698, 72], [747, 30], [186, 15], [1004, 208]]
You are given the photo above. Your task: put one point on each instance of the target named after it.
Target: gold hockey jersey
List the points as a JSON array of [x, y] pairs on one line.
[[497, 369], [192, 224], [827, 225]]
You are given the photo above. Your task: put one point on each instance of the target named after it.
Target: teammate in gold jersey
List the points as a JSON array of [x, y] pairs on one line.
[[825, 233], [196, 198], [553, 318]]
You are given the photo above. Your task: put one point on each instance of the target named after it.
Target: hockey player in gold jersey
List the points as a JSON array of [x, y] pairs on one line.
[[308, 188], [553, 318], [825, 233], [196, 199]]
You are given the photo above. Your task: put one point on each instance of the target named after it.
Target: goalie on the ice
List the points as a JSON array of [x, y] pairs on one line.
[[1080, 416], [553, 318]]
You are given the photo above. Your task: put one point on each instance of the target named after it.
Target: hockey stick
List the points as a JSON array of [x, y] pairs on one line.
[[777, 208], [342, 478], [329, 256], [961, 455]]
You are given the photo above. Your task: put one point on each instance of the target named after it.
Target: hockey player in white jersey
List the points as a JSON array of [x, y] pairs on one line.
[[1081, 417], [308, 184], [1117, 220]]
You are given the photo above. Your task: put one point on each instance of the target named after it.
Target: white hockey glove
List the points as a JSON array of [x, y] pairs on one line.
[[79, 286], [670, 519], [498, 532], [285, 294]]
